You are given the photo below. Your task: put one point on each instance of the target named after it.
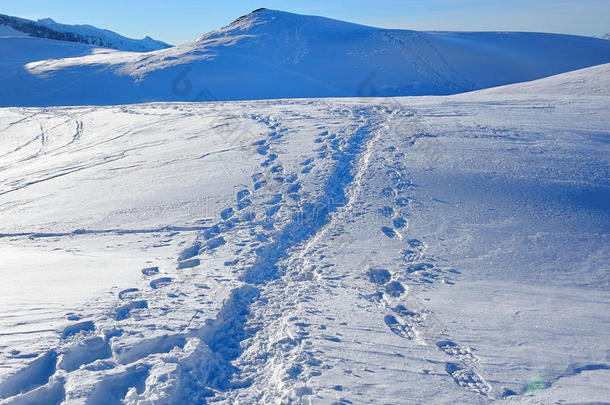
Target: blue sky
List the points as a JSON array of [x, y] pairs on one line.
[[181, 20]]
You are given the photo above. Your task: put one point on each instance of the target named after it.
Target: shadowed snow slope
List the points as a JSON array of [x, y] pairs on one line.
[[274, 54], [86, 34], [436, 250]]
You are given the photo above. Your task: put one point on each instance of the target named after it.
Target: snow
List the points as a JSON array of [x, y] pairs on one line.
[[107, 38], [441, 249], [87, 34], [271, 54], [7, 31]]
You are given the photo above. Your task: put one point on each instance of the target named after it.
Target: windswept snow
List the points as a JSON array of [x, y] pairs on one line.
[[594, 81], [272, 54], [408, 250]]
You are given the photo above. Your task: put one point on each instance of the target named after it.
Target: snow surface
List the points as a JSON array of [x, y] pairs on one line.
[[272, 54], [49, 29], [6, 31], [393, 250]]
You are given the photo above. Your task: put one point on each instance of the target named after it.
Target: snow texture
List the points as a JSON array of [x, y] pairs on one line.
[[449, 249]]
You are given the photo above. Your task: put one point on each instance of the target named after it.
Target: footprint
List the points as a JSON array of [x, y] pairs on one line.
[[400, 222], [388, 192], [393, 174], [263, 150], [160, 282], [34, 375], [294, 188], [386, 211], [124, 311], [467, 378], [85, 352], [454, 350], [411, 255], [214, 243], [273, 210], [128, 294], [187, 264], [403, 330], [113, 388], [248, 216], [414, 243], [245, 203], [150, 271], [86, 326], [189, 252], [395, 289], [379, 276], [389, 232], [53, 393], [276, 199], [227, 213], [211, 232], [419, 267], [242, 194], [402, 202]]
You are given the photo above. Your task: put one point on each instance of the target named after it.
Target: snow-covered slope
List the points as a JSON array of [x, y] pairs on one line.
[[86, 34], [408, 250], [594, 81], [273, 54]]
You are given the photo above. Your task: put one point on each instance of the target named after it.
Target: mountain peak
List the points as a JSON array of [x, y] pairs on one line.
[[46, 21]]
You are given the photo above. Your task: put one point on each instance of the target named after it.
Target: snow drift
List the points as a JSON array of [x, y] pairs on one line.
[[274, 54]]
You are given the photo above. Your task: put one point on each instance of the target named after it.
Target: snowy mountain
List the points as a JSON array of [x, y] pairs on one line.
[[606, 36], [449, 249], [273, 54], [86, 34]]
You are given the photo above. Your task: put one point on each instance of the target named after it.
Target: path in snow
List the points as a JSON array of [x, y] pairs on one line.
[[348, 250]]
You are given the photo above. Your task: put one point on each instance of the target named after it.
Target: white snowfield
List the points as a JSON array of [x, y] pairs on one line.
[[271, 54], [395, 250]]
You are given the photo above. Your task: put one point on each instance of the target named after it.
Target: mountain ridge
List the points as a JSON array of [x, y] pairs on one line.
[[82, 33], [270, 54]]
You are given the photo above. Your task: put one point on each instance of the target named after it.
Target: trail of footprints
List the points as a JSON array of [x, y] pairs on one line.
[[417, 323], [86, 346]]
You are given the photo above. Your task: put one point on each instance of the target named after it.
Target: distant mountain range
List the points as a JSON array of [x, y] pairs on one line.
[[86, 34], [273, 54]]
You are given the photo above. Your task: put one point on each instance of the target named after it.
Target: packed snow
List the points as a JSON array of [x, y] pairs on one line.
[[450, 249], [271, 54]]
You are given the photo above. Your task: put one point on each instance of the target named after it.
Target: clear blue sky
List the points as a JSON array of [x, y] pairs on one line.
[[181, 20]]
